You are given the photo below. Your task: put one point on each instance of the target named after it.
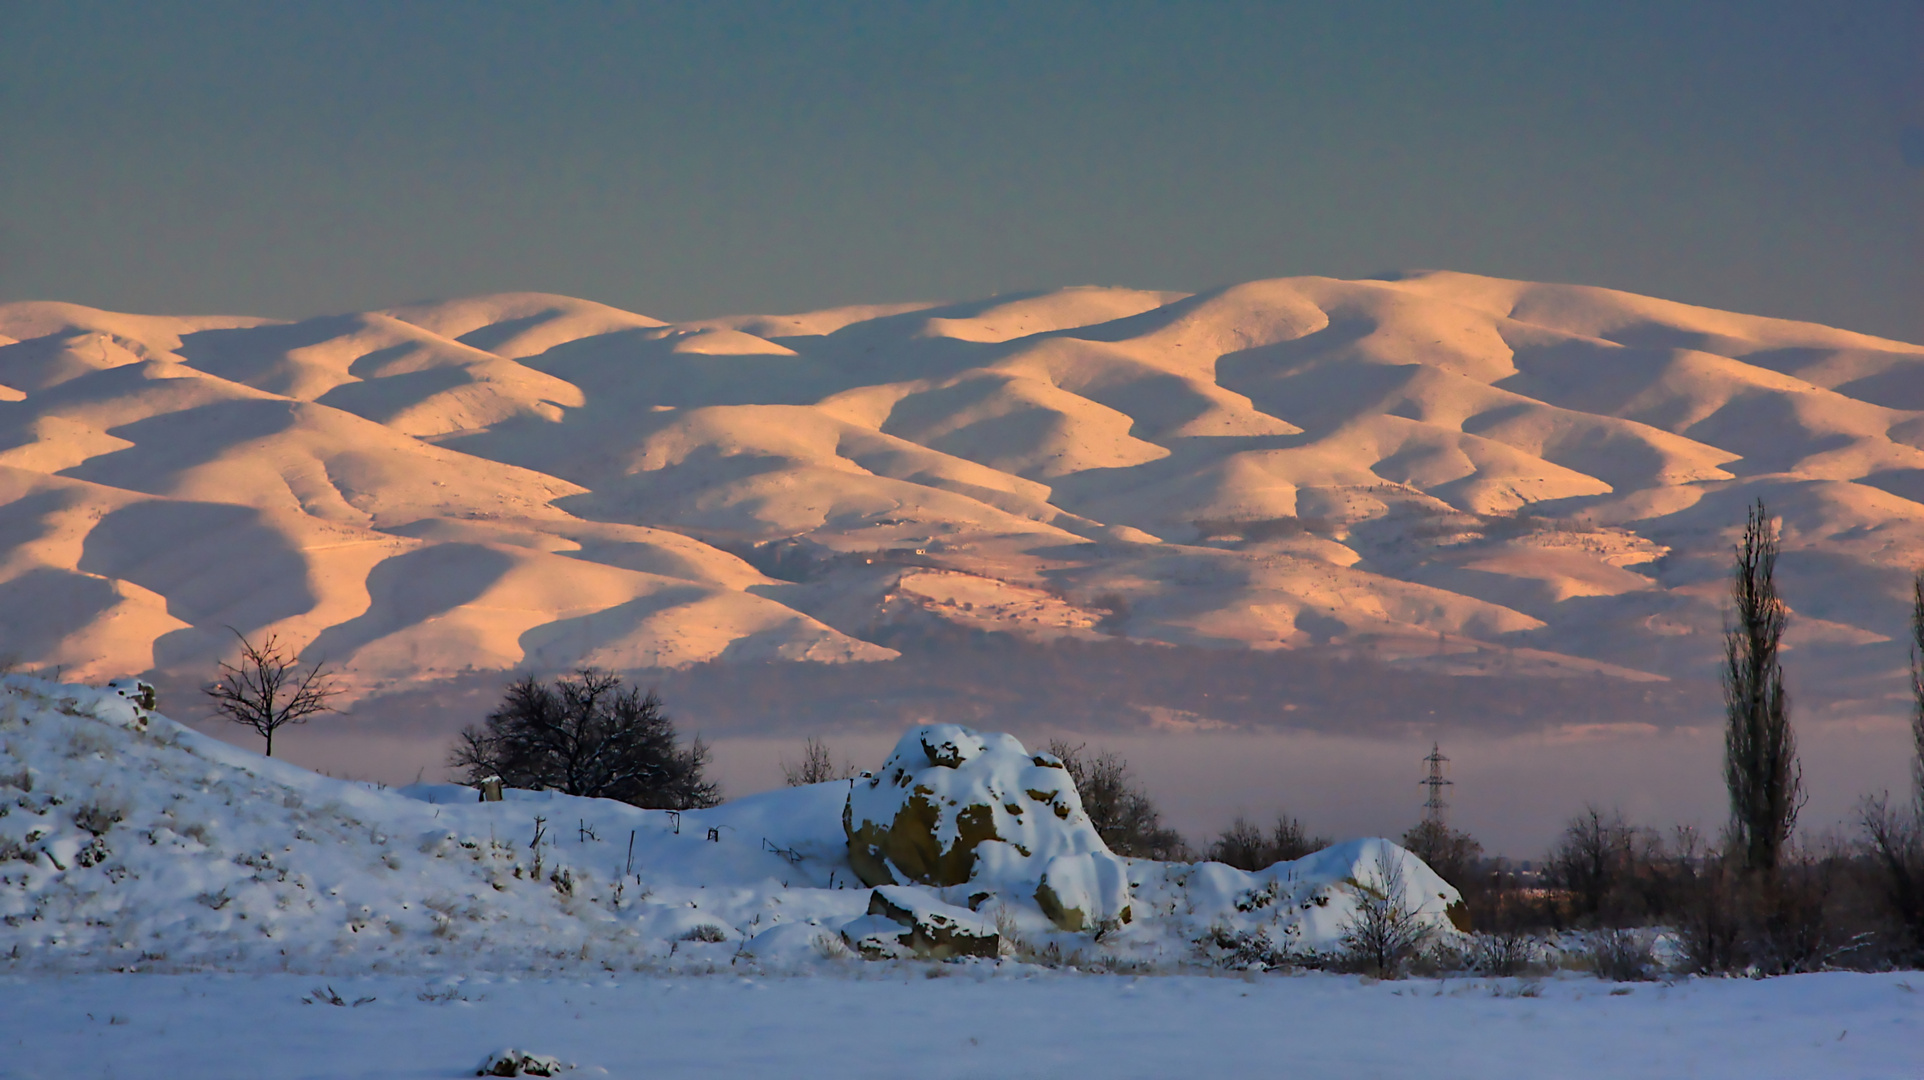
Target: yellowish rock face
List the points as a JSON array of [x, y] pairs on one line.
[[945, 792], [954, 806]]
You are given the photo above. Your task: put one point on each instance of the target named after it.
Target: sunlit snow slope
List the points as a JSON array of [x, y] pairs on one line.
[[1453, 471]]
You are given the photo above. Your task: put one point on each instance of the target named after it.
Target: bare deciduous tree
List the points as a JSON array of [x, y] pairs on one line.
[[1896, 838], [266, 692], [590, 735], [1123, 814], [1452, 853], [1386, 933], [1592, 860], [1760, 751], [817, 767]]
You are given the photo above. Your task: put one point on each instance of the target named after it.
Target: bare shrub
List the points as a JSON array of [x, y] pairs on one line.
[[708, 933], [817, 766], [1708, 927], [1895, 844], [99, 816], [85, 742], [1385, 934], [1122, 813], [1789, 929], [1509, 951], [1016, 944], [831, 946], [1245, 950], [1246, 846], [1621, 955]]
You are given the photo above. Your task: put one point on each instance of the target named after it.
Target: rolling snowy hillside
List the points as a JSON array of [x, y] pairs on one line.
[[1456, 474]]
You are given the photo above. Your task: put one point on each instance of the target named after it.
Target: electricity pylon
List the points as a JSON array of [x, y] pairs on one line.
[[1434, 806]]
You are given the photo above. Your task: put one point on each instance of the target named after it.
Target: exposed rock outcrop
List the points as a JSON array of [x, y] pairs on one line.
[[953, 807]]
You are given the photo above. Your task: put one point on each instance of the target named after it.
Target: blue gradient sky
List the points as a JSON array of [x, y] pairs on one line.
[[706, 158]]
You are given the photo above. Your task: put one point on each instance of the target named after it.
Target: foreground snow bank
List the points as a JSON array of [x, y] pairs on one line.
[[978, 1022], [163, 848], [129, 842]]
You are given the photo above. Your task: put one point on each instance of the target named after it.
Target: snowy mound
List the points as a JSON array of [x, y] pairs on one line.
[[162, 848], [952, 806], [1301, 908], [129, 842]]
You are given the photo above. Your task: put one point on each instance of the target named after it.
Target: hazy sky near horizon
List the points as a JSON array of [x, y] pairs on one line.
[[699, 159]]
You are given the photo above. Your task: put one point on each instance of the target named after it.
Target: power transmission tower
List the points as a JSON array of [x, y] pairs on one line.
[[1434, 806]]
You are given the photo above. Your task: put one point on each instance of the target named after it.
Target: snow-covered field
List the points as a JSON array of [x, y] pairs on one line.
[[171, 905], [906, 1022]]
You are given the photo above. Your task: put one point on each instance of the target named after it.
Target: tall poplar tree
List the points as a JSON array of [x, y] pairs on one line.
[[1760, 750], [1917, 696]]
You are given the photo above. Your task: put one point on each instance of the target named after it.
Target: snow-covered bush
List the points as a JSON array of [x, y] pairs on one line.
[[1386, 930]]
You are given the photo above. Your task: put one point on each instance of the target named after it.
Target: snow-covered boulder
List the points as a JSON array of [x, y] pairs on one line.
[[953, 807], [928, 927]]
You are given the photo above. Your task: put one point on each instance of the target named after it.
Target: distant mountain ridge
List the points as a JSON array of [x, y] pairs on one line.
[[1451, 473]]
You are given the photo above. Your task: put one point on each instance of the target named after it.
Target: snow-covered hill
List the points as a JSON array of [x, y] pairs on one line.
[[129, 842], [1458, 473]]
